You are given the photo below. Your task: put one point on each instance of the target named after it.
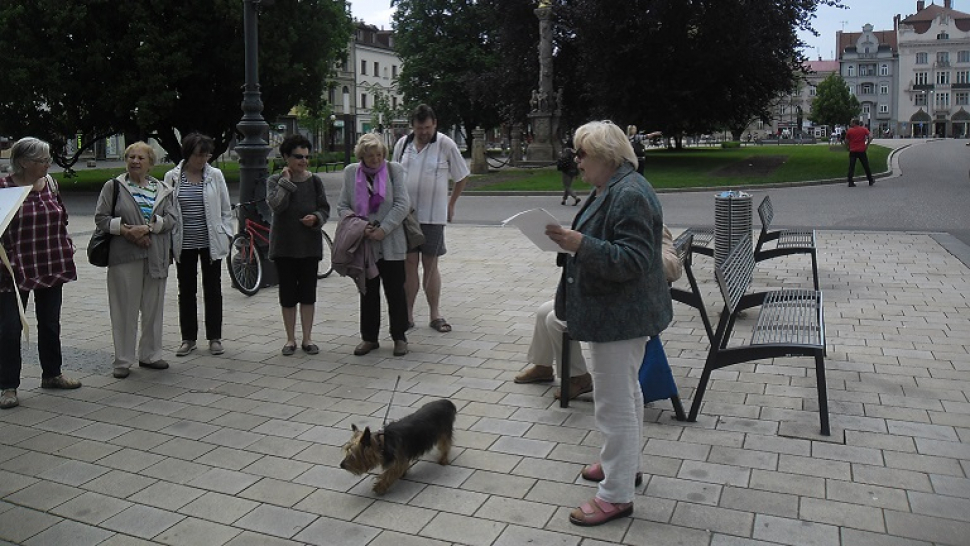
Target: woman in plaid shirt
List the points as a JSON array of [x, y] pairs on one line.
[[42, 258]]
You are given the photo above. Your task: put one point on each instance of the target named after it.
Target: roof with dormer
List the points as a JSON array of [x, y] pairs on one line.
[[922, 20], [847, 40]]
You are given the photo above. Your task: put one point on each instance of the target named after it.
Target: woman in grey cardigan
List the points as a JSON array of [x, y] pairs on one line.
[[374, 189], [142, 222], [614, 295]]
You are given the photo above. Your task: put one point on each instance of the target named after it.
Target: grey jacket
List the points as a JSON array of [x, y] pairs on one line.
[[165, 219], [390, 214], [218, 210], [614, 287], [291, 201]]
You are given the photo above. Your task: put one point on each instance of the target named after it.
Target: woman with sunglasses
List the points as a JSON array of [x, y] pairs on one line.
[[300, 208], [613, 295], [42, 258]]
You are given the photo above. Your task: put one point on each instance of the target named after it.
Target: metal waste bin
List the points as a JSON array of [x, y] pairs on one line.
[[732, 221]]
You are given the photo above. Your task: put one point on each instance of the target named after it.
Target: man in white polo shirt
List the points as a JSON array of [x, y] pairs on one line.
[[430, 160]]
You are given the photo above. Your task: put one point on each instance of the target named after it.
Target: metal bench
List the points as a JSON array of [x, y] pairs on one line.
[[790, 323], [703, 242], [787, 241]]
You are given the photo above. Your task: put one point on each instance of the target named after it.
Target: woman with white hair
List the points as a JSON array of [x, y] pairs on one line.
[[374, 189], [613, 294], [42, 259], [140, 211]]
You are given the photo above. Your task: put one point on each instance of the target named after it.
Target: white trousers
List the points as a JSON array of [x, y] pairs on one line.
[[546, 346], [618, 408], [132, 291]]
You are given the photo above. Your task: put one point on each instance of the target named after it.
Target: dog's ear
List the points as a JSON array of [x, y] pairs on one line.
[[365, 439], [353, 427]]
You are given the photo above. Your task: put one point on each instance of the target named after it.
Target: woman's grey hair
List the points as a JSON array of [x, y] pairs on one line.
[[368, 143], [28, 149], [604, 140], [141, 146]]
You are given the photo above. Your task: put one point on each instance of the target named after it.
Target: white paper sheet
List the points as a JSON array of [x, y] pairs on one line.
[[532, 223]]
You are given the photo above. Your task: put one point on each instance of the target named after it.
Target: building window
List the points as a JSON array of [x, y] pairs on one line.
[[883, 108], [377, 68], [363, 101], [850, 71], [343, 64], [884, 70], [962, 98], [943, 77], [867, 70], [942, 100], [867, 88], [943, 58], [866, 109], [963, 56], [963, 76], [363, 68], [812, 91], [883, 89], [943, 36], [332, 97], [919, 99], [922, 78], [922, 58], [393, 70], [394, 103]]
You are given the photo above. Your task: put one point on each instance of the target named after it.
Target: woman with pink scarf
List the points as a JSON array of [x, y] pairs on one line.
[[374, 189]]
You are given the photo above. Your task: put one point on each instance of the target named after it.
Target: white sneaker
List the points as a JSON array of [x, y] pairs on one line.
[[8, 399], [185, 348], [215, 347]]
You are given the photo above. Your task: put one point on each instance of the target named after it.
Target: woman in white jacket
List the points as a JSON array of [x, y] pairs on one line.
[[203, 201]]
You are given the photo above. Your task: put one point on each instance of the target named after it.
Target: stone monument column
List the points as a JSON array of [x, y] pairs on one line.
[[544, 114], [479, 163]]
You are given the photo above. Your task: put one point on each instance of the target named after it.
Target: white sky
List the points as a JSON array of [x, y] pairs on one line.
[[828, 20]]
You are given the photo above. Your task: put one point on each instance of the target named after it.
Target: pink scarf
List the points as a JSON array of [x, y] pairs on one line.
[[369, 198]]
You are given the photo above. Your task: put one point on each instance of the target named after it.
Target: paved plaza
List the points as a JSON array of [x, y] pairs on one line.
[[243, 448]]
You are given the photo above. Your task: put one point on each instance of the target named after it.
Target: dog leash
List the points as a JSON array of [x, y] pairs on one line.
[[391, 401]]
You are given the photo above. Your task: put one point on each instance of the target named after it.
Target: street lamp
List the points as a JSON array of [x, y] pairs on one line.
[[333, 121], [253, 148]]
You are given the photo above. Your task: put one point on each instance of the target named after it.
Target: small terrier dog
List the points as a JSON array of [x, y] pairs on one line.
[[400, 443]]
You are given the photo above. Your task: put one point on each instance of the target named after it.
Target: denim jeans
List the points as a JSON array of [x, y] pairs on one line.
[[47, 307]]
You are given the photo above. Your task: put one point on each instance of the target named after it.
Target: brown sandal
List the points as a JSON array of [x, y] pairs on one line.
[[441, 325], [597, 512]]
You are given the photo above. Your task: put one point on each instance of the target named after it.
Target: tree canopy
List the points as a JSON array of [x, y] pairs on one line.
[[151, 69], [833, 104]]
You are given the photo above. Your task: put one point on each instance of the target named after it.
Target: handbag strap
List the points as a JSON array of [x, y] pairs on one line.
[[114, 200]]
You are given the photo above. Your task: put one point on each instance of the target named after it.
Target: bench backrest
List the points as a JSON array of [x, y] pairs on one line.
[[682, 246], [766, 213], [735, 272]]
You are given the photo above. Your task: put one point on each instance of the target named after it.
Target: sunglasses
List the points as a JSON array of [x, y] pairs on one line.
[[301, 156], [580, 154]]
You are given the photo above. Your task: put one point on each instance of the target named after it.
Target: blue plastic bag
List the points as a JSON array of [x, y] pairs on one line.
[[656, 380]]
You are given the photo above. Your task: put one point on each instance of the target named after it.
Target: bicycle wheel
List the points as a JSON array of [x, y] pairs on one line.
[[325, 268], [245, 264]]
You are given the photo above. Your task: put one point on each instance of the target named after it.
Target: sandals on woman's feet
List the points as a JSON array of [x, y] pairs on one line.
[[441, 325], [597, 512], [289, 349], [594, 473]]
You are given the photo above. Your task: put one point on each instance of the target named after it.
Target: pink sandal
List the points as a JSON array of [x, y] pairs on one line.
[[597, 512], [594, 473]]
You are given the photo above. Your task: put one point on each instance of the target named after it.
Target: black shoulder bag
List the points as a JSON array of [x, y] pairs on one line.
[[100, 242]]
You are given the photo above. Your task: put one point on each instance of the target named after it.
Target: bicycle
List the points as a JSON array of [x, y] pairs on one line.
[[246, 254]]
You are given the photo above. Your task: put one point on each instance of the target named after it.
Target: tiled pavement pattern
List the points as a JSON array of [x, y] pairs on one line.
[[242, 449]]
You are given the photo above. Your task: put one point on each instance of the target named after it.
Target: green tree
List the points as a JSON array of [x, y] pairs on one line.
[[833, 103], [155, 69], [443, 47]]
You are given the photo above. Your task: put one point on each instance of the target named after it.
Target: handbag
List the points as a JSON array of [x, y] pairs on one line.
[[100, 242], [656, 380], [412, 230]]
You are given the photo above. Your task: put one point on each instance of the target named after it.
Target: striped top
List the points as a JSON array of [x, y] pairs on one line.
[[144, 197], [195, 233]]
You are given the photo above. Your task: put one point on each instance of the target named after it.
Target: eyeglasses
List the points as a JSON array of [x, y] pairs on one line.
[[206, 155], [301, 156], [44, 161]]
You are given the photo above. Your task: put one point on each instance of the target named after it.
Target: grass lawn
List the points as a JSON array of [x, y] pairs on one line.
[[707, 167]]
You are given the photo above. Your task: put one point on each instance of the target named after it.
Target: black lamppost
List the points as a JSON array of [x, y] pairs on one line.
[[253, 149]]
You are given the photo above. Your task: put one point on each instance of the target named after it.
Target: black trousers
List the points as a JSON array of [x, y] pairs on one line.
[[864, 159], [187, 270], [391, 274], [47, 307]]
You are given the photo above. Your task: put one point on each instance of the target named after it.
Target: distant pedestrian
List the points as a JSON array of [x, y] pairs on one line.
[[858, 138], [567, 166], [206, 213], [42, 259]]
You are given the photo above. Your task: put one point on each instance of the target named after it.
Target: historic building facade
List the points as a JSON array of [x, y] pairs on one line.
[[868, 64]]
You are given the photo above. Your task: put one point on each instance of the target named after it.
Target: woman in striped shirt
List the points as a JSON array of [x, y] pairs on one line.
[[203, 202]]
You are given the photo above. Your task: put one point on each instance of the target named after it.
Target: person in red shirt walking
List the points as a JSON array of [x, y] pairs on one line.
[[858, 138]]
